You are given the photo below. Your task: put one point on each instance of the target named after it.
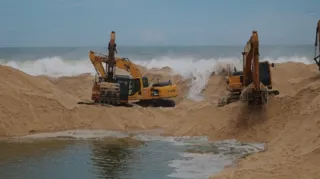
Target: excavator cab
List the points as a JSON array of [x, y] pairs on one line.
[[128, 86], [235, 80], [146, 83], [125, 84], [265, 74]]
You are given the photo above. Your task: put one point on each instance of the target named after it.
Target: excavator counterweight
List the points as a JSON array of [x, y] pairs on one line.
[[317, 46]]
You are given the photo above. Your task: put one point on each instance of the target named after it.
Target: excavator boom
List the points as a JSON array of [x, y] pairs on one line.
[[317, 45], [97, 64], [254, 92], [111, 63], [126, 64], [110, 60], [251, 61]]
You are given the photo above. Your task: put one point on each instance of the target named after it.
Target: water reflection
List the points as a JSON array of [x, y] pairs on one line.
[[16, 149], [119, 158], [112, 158]]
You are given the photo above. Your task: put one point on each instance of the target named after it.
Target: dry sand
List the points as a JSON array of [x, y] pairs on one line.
[[290, 124]]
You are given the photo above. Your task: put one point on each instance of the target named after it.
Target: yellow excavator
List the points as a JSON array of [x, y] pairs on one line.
[[317, 46], [114, 89], [254, 83]]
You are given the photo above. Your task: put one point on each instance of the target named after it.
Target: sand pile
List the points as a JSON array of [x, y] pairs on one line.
[[26, 100], [290, 125], [290, 76], [291, 128], [79, 86], [34, 104]]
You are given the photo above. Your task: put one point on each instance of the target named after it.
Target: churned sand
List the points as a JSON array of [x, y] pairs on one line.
[[290, 124]]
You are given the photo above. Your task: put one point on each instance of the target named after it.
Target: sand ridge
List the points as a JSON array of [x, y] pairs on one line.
[[289, 125]]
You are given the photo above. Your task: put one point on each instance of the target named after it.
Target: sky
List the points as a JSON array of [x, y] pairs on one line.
[[48, 23]]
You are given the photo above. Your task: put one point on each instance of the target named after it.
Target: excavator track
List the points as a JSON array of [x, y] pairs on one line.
[[157, 103], [233, 97]]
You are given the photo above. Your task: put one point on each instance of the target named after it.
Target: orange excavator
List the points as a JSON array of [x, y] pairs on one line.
[[255, 92], [317, 46], [254, 83]]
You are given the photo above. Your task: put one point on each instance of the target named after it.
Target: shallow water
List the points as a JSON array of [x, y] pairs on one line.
[[94, 155]]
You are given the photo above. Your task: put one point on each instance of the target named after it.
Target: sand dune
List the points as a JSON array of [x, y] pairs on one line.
[[290, 124]]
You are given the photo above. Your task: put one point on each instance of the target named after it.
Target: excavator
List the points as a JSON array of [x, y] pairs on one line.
[[254, 83], [113, 89], [317, 45]]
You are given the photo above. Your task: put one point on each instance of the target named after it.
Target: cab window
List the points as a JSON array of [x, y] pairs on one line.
[[145, 82]]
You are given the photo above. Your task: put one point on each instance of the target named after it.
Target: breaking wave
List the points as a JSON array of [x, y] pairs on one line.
[[199, 70]]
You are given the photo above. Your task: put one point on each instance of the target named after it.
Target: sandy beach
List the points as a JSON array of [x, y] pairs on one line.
[[289, 125]]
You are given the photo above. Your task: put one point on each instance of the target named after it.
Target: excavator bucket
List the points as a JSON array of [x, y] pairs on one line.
[[317, 46]]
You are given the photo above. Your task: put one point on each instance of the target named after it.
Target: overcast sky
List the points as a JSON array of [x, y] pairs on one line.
[[156, 22]]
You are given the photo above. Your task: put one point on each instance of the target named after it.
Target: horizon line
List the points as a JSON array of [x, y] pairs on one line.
[[105, 46]]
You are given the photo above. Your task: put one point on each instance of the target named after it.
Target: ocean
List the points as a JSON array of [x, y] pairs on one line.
[[195, 63]]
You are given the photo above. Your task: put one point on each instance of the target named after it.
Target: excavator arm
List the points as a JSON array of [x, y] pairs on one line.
[[126, 64], [317, 45], [97, 64], [106, 73], [251, 61], [254, 91], [121, 63], [110, 60]]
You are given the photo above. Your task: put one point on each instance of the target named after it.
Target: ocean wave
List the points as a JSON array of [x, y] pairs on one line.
[[199, 70]]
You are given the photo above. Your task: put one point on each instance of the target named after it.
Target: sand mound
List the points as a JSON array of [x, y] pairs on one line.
[[26, 99], [289, 77], [40, 103], [290, 125], [79, 86], [291, 129]]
